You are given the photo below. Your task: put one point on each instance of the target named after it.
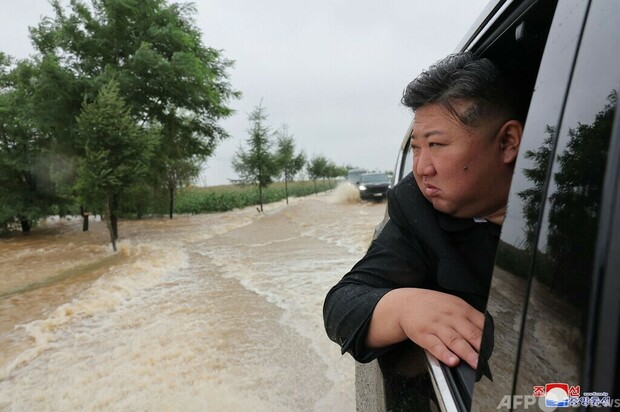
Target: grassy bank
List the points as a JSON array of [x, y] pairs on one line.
[[228, 197]]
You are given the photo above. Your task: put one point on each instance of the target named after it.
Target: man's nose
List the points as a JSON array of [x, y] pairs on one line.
[[423, 164]]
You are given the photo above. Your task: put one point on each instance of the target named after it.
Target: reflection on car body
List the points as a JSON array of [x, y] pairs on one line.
[[554, 292]]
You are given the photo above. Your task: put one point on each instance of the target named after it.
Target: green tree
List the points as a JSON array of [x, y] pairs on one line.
[[27, 191], [168, 78], [332, 171], [288, 163], [257, 165], [317, 168], [116, 154], [55, 97]]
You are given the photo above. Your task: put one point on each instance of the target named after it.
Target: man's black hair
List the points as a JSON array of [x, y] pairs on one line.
[[462, 77]]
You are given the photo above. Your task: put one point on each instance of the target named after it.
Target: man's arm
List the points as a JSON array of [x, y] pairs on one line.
[[441, 323], [388, 264]]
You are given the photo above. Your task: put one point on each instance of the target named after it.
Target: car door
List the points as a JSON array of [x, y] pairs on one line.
[[546, 295]]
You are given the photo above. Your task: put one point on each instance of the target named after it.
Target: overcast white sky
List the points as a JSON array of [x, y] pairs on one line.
[[332, 70]]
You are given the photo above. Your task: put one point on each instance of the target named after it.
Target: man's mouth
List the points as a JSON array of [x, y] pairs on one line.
[[430, 190]]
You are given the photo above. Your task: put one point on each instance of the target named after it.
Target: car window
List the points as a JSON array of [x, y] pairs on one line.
[[556, 321], [375, 178], [408, 162], [513, 262], [404, 161]]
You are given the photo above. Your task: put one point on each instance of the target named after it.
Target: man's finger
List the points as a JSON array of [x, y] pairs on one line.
[[475, 317], [471, 333], [457, 343], [439, 350]]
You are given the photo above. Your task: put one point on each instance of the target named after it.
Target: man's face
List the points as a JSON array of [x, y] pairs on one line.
[[461, 170]]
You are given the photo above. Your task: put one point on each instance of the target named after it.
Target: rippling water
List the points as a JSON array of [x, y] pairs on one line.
[[214, 312]]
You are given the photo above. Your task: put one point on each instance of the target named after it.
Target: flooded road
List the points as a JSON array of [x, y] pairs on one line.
[[217, 312]]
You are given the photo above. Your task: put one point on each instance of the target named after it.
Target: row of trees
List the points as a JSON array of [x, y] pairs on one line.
[[264, 160], [319, 167], [119, 105]]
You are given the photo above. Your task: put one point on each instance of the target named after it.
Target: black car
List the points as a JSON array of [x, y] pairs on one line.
[[374, 186], [556, 282]]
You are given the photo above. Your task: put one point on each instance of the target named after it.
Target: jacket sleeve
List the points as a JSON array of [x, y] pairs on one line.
[[395, 259]]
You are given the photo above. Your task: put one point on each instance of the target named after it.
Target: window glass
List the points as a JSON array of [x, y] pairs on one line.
[[555, 326], [374, 178], [510, 277], [408, 161], [404, 162]]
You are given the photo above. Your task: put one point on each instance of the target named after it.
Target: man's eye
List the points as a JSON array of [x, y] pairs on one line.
[[435, 144]]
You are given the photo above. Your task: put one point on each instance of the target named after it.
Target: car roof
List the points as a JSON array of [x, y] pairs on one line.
[[490, 12]]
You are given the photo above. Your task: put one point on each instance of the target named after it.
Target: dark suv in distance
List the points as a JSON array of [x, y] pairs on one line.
[[555, 293], [374, 186]]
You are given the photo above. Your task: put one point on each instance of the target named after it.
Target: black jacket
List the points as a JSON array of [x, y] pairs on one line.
[[418, 247]]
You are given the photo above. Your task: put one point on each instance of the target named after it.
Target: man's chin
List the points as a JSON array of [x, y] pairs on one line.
[[441, 206], [448, 208]]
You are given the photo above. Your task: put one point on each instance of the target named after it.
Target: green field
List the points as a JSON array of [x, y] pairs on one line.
[[227, 197]]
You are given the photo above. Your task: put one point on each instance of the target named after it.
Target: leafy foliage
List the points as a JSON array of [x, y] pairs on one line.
[[116, 153], [321, 167], [27, 190], [287, 162], [168, 78], [257, 165], [175, 91], [317, 167]]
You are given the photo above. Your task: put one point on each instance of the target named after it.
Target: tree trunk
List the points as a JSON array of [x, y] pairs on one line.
[[315, 193], [85, 215], [113, 217], [286, 188], [171, 198], [260, 197], [114, 221], [108, 220], [25, 225]]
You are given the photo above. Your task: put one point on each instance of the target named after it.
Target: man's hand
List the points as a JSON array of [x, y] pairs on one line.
[[445, 325]]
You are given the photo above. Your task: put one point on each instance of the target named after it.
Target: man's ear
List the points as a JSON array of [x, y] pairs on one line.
[[510, 139]]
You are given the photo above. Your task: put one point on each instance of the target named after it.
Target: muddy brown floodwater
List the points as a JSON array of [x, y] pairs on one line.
[[214, 312]]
